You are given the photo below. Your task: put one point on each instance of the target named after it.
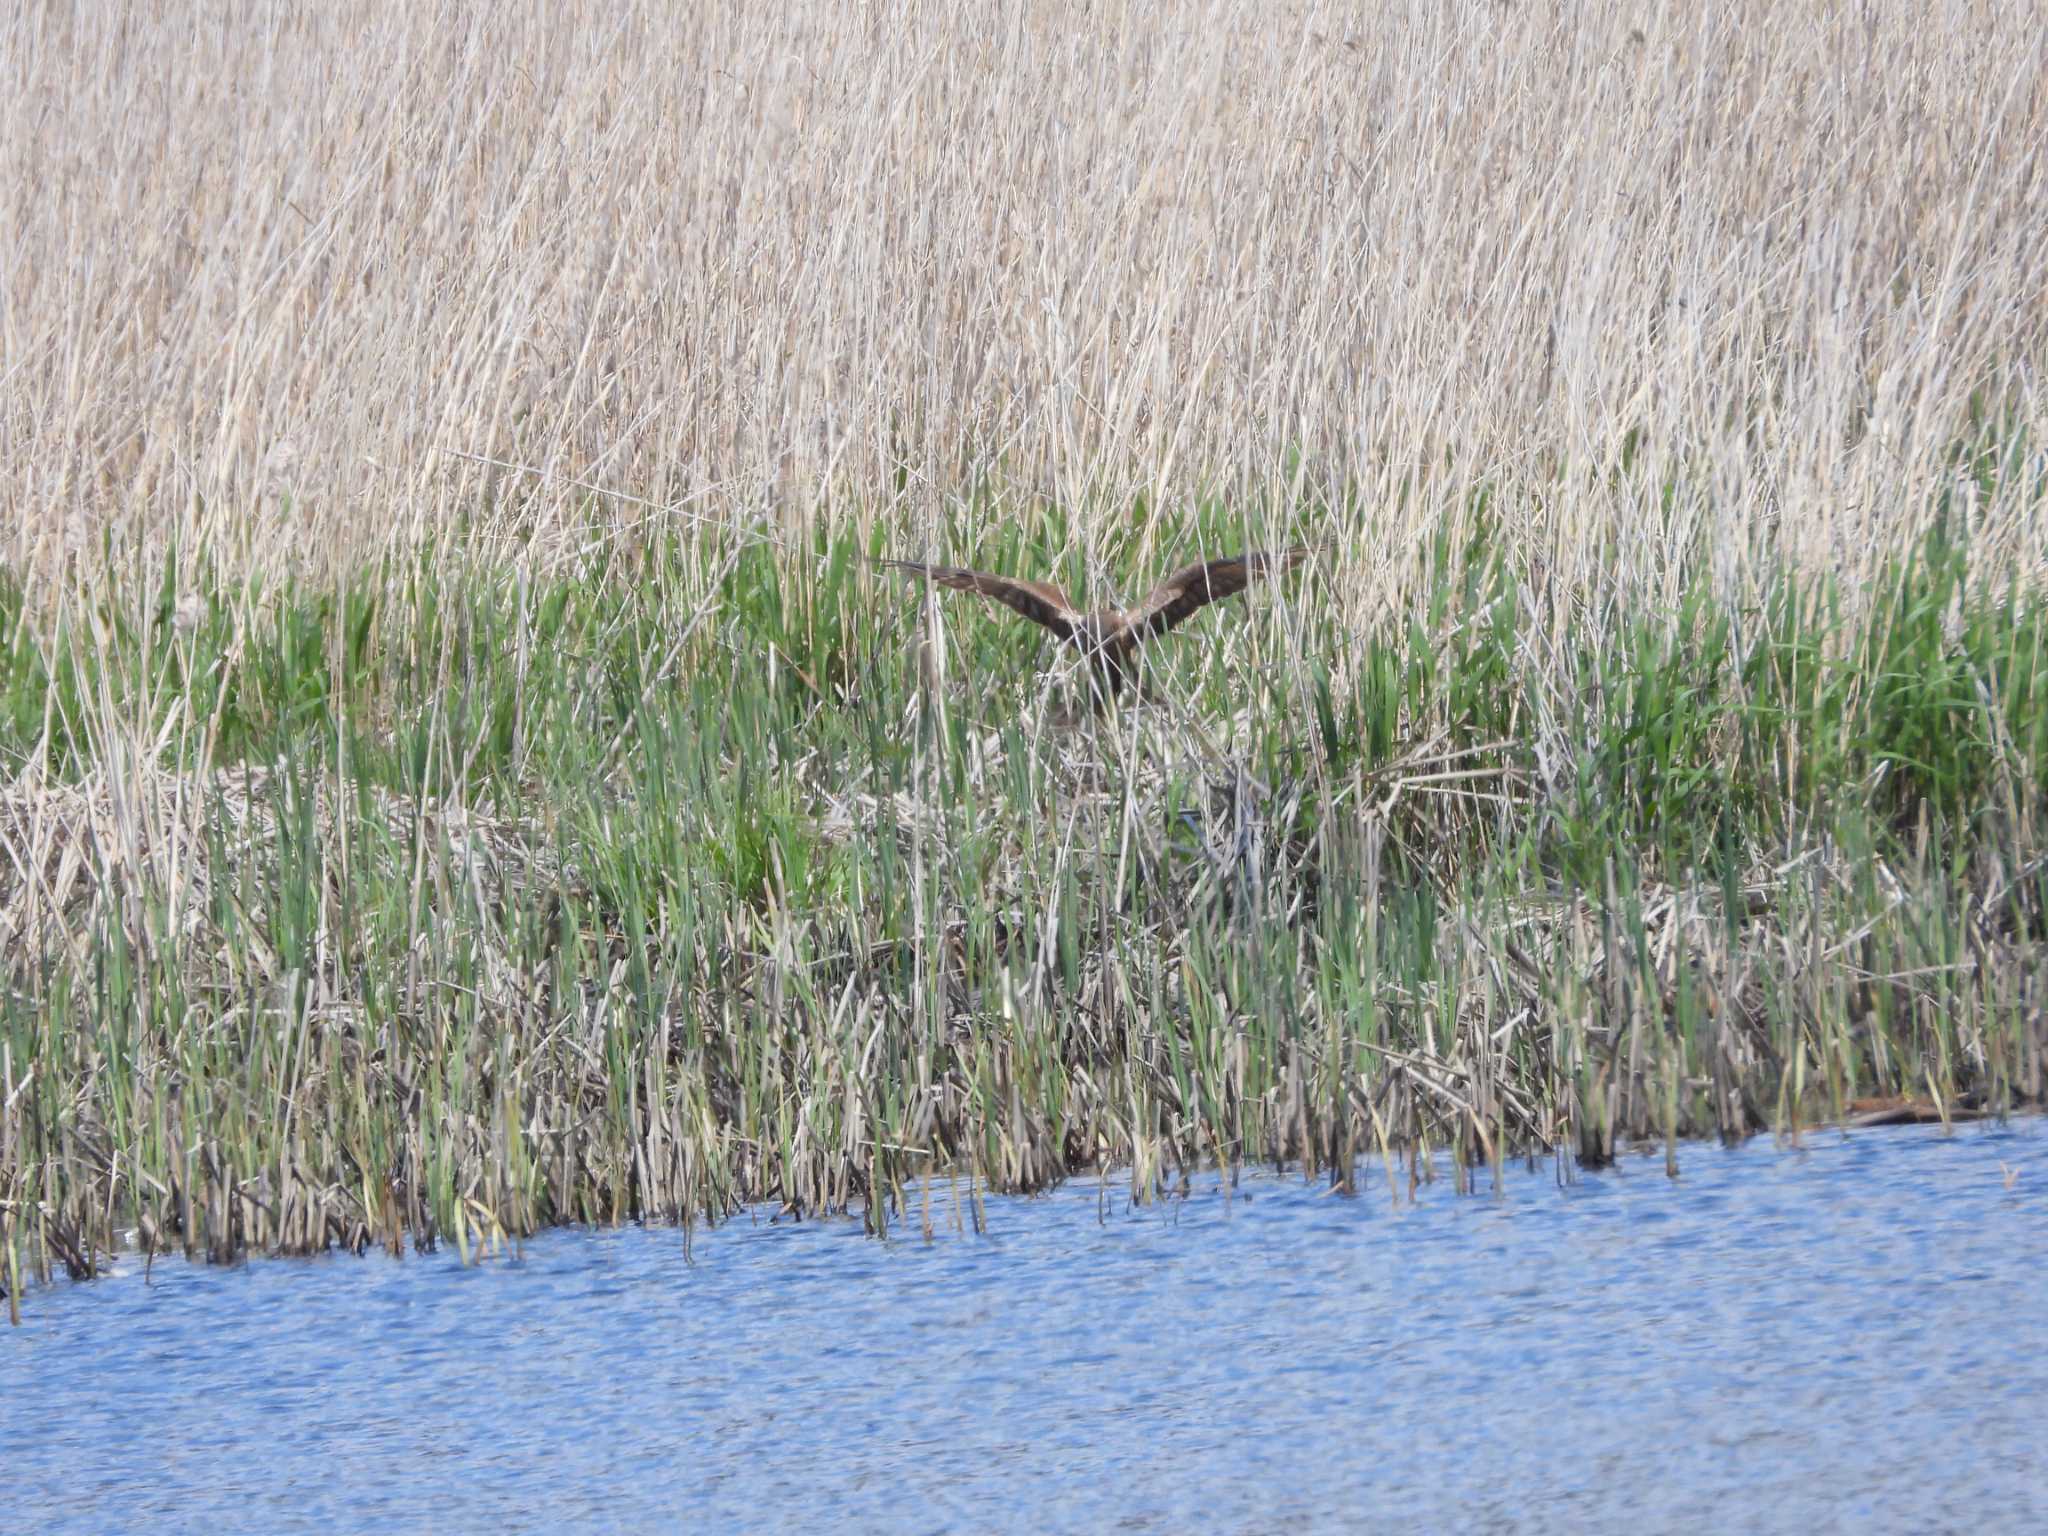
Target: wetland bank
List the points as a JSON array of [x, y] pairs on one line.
[[464, 770], [1244, 1358]]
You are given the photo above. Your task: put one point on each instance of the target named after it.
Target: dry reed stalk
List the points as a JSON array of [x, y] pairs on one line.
[[1741, 281]]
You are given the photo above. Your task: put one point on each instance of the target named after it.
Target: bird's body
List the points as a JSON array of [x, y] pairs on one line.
[[1110, 638]]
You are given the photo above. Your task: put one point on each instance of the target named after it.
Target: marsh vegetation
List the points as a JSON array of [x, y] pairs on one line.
[[464, 771]]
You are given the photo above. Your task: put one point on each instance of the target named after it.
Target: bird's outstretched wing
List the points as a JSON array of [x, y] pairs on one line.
[[1038, 601], [1205, 582]]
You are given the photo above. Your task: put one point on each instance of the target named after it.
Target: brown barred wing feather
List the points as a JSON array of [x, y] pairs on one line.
[[1206, 581], [1039, 601]]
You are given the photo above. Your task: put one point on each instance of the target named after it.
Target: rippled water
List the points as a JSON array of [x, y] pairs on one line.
[[1852, 1334]]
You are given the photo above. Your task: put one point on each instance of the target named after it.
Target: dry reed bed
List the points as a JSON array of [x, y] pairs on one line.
[[1639, 306], [1741, 277]]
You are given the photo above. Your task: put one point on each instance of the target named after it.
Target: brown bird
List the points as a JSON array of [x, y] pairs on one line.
[[1110, 637]]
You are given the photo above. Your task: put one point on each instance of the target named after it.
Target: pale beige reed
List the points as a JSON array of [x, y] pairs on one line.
[[1667, 283]]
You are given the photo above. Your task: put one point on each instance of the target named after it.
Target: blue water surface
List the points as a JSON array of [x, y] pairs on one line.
[[1849, 1334]]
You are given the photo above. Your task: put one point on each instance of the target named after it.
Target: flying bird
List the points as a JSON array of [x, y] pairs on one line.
[[1110, 638]]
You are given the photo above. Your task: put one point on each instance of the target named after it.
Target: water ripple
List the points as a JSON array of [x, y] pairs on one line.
[[1846, 1334]]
